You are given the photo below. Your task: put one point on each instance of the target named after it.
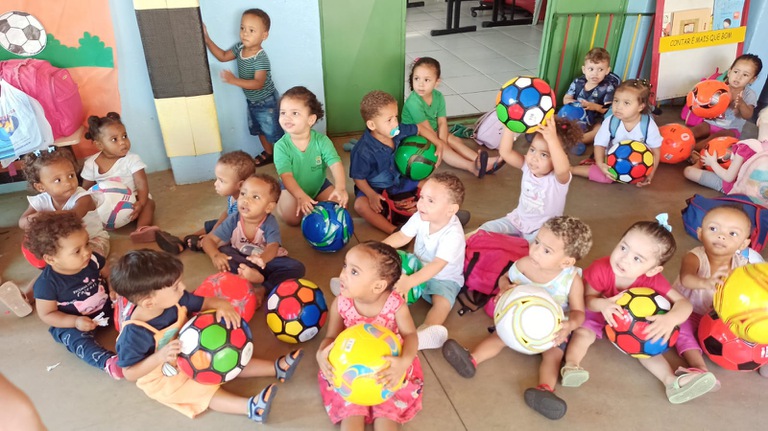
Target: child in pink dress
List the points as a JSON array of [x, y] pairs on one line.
[[367, 296]]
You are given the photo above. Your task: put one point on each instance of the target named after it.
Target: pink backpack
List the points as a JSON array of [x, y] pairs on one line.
[[488, 130], [488, 256], [53, 87]]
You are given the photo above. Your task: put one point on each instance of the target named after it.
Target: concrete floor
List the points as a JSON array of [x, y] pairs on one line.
[[620, 394]]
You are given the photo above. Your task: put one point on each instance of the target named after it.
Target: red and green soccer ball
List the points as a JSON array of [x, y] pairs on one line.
[[210, 352]]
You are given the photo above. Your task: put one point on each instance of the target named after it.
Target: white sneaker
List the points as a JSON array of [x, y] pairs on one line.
[[432, 337], [335, 286]]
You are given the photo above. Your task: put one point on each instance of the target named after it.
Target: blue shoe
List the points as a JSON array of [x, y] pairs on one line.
[[579, 149], [349, 145]]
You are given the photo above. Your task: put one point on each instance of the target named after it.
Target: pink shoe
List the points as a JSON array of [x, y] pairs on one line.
[[11, 296], [113, 369]]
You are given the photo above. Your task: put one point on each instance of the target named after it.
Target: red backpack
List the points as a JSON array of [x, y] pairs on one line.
[[488, 256], [53, 87]]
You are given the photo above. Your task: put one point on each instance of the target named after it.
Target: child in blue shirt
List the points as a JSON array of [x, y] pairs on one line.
[[254, 76], [593, 90], [248, 242], [148, 342], [372, 165], [70, 293]]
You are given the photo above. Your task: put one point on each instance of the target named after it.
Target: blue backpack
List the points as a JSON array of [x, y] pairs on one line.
[[698, 206], [645, 119]]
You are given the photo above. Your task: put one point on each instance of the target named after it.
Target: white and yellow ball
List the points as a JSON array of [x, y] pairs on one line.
[[527, 319]]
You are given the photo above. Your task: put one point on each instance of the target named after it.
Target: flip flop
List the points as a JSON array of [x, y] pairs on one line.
[[259, 405], [168, 242], [498, 164], [11, 296], [459, 358], [264, 159], [482, 167], [193, 242], [698, 385], [292, 361], [144, 234]]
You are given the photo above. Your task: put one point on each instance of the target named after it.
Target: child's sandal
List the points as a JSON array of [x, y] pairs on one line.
[[259, 405], [681, 371], [573, 377], [193, 242], [13, 298], [459, 358], [699, 384], [292, 361], [543, 399], [169, 243]]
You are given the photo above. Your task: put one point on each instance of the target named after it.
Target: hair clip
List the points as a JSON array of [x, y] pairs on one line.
[[38, 153], [663, 220]]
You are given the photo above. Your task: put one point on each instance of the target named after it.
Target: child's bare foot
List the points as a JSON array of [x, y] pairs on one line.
[[250, 274]]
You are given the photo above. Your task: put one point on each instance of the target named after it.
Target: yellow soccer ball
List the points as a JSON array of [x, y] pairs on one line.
[[742, 302], [356, 357]]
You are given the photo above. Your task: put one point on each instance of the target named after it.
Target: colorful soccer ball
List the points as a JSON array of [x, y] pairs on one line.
[[411, 264], [629, 333], [296, 310], [211, 353], [574, 111], [726, 349], [721, 147], [21, 33], [415, 157], [356, 356], [742, 302], [709, 99], [525, 102], [114, 203], [235, 289], [677, 143], [328, 227], [527, 319], [629, 162]]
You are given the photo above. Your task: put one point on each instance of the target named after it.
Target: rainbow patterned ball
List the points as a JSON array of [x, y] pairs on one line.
[[629, 161], [525, 102], [296, 310]]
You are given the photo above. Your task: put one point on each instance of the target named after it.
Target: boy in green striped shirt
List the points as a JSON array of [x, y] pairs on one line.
[[255, 78]]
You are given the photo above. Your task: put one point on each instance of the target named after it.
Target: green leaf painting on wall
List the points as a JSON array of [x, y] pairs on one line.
[[91, 52]]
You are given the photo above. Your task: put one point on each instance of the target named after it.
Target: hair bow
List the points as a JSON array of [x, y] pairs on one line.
[[663, 220], [38, 153]]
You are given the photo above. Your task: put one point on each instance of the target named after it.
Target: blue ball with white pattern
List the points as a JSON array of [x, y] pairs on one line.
[[328, 227]]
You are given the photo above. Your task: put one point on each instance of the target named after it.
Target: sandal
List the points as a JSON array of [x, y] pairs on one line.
[[259, 405], [11, 296], [573, 377], [481, 163], [543, 399], [459, 358], [498, 164], [192, 242], [144, 234], [680, 371], [168, 242], [264, 159], [698, 385], [291, 361]]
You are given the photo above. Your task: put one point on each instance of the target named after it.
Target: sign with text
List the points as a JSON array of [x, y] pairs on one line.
[[702, 39]]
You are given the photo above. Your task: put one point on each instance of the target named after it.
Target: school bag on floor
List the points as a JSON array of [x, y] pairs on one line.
[[752, 179], [488, 257], [488, 130], [53, 87], [698, 206]]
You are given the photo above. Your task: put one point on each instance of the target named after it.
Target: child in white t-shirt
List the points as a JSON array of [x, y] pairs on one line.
[[631, 107], [440, 247]]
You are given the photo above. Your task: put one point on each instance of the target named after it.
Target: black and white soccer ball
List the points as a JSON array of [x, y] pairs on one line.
[[21, 33]]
